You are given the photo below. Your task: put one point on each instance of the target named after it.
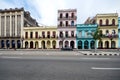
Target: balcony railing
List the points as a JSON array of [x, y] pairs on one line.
[[15, 37], [84, 36], [68, 18], [105, 36], [40, 37], [107, 25], [66, 26]]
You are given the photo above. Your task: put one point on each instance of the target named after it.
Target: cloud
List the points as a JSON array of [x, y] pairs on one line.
[[45, 11]]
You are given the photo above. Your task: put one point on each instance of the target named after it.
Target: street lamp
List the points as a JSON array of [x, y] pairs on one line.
[[22, 41]]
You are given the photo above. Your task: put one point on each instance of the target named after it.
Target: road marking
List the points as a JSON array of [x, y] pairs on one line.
[[97, 58], [98, 68], [11, 57]]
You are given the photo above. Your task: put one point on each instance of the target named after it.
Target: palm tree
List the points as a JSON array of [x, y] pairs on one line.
[[96, 36]]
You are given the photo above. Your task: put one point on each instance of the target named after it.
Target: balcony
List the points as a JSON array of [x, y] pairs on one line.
[[68, 37], [68, 26], [84, 37], [11, 37], [107, 25], [69, 18], [105, 36]]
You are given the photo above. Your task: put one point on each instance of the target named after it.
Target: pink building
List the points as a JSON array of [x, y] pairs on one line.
[[67, 28]]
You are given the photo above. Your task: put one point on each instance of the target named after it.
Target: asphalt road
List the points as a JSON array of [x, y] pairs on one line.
[[59, 68]]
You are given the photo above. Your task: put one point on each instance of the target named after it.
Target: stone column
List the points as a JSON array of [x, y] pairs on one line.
[[10, 24], [15, 23], [5, 25], [82, 44], [0, 24]]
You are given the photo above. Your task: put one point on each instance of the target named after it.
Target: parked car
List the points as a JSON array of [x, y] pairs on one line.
[[66, 49]]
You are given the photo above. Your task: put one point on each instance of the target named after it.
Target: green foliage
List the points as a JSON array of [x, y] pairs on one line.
[[96, 35]]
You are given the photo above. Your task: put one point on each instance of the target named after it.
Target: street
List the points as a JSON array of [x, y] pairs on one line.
[[19, 67]]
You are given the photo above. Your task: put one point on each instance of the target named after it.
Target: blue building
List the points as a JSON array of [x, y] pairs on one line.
[[119, 32], [84, 37]]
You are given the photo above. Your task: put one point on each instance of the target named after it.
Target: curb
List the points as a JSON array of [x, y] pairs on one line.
[[98, 54]]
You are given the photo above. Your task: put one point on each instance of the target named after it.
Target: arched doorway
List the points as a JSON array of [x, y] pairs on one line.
[[86, 44], [13, 43], [2, 44], [48, 44], [31, 44], [92, 44], [72, 44], [100, 44], [113, 44], [66, 44], [43, 44], [26, 44], [7, 43], [79, 44], [36, 45], [54, 44], [18, 44], [60, 44], [106, 44]]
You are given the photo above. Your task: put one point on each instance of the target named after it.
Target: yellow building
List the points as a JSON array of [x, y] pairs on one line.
[[40, 37], [108, 24]]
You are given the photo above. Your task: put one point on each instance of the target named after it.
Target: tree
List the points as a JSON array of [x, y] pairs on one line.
[[96, 36]]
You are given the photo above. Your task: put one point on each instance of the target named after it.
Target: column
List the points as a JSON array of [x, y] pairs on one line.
[[0, 24], [82, 44], [5, 26], [51, 45], [10, 24], [15, 23], [103, 44], [96, 44], [89, 44], [22, 23]]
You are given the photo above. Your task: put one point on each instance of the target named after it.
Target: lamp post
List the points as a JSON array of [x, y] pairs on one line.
[[22, 41]]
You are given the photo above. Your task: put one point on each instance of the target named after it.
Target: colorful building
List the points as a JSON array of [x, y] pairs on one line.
[[67, 28], [12, 22], [84, 36], [40, 37], [108, 24], [119, 32]]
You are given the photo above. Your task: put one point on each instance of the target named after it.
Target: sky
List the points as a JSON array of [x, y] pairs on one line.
[[45, 11]]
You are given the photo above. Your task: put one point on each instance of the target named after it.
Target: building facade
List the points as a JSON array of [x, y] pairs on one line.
[[67, 28], [108, 24], [119, 32], [84, 38], [40, 37], [12, 22]]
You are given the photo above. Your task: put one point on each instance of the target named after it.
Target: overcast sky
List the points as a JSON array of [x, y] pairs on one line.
[[45, 11]]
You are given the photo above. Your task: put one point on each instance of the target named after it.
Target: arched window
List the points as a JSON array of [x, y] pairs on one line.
[[61, 23], [101, 33], [36, 34], [66, 23], [72, 33], [113, 22], [72, 15], [31, 34], [72, 23], [100, 22], [107, 22], [113, 32], [61, 15], [48, 34], [66, 34], [66, 15], [61, 34], [54, 34], [43, 34], [26, 34], [107, 32]]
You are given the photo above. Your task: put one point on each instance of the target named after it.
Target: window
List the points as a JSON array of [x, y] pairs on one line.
[[113, 32], [36, 34], [48, 34], [61, 23], [107, 32], [107, 22], [61, 15], [100, 22], [72, 15], [72, 23], [66, 34], [54, 34], [31, 34], [61, 34], [72, 33], [100, 32], [66, 23], [80, 34], [26, 34], [66, 15], [113, 22], [43, 34]]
